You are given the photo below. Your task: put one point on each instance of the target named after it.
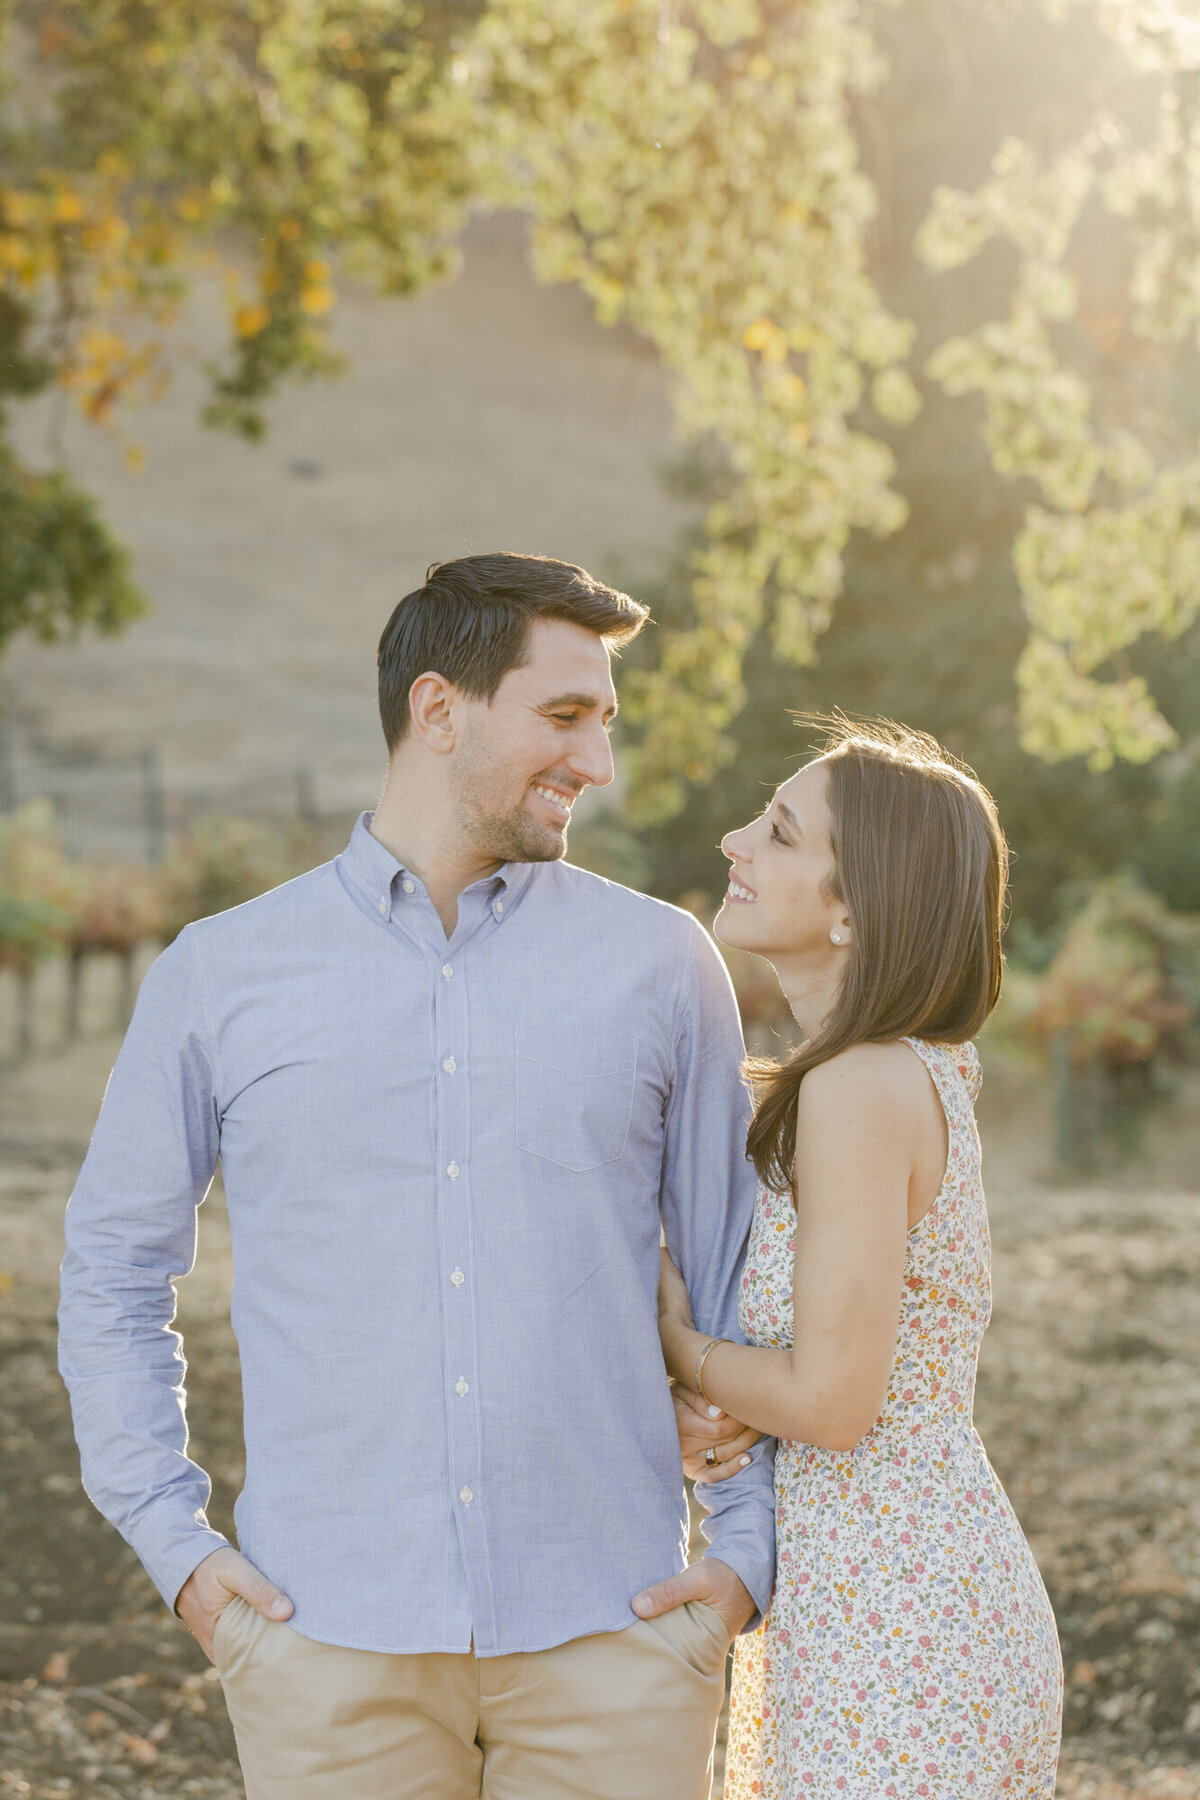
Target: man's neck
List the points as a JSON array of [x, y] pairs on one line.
[[445, 866]]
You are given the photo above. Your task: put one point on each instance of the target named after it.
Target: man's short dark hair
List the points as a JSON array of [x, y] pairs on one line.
[[471, 622]]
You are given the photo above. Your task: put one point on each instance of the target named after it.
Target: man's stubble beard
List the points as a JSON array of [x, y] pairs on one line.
[[507, 836]]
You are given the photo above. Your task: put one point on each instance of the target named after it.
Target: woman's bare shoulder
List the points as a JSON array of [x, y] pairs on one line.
[[865, 1077]]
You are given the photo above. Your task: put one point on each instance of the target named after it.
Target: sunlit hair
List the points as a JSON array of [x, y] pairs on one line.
[[921, 865]]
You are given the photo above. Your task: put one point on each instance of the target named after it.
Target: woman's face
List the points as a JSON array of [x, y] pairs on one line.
[[781, 902]]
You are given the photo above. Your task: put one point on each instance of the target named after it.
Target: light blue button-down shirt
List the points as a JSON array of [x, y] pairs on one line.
[[446, 1163]]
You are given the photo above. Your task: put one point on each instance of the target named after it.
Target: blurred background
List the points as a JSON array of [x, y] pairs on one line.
[[861, 342]]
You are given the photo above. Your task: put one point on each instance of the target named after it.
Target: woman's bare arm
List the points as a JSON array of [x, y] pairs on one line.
[[862, 1125]]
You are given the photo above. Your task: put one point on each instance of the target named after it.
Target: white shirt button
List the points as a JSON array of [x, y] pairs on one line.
[[447, 971], [462, 1387], [452, 1171], [458, 1278], [449, 1065], [465, 1495], [497, 907], [383, 904], [410, 887]]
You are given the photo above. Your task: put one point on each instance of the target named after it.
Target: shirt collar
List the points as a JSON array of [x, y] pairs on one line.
[[380, 880]]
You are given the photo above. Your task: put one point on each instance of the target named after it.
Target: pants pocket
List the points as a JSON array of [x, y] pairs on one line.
[[225, 1619], [697, 1633], [238, 1629]]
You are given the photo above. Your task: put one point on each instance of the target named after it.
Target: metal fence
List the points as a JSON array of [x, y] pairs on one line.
[[116, 808], [109, 806]]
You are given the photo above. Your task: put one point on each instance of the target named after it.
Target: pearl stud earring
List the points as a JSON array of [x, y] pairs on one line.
[[835, 937]]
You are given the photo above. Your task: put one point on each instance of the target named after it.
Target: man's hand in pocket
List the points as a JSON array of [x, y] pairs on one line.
[[213, 1583], [709, 1580]]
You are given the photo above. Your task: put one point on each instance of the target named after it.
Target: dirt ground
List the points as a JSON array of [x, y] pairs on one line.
[[1088, 1403]]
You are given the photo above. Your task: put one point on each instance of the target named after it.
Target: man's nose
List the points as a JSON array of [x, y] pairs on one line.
[[592, 760]]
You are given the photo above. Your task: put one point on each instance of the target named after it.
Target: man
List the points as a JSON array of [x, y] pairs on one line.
[[454, 1084]]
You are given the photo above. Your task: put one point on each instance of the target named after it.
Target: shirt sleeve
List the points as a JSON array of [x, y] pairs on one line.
[[707, 1208], [130, 1233]]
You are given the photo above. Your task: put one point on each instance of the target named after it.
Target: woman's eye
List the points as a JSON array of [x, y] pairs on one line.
[[777, 836], [564, 718]]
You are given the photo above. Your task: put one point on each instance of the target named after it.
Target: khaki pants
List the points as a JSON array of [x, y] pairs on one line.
[[623, 1715]]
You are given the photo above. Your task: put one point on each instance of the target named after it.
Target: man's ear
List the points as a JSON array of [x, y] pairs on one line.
[[431, 701]]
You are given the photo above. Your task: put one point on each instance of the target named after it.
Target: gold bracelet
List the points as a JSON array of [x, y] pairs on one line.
[[700, 1362]]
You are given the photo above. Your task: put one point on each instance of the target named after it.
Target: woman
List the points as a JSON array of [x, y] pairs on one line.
[[910, 1649]]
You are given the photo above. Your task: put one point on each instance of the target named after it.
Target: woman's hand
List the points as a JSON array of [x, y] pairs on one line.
[[701, 1428], [674, 1301]]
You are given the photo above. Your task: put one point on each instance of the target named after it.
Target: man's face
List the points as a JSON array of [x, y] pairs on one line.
[[521, 762]]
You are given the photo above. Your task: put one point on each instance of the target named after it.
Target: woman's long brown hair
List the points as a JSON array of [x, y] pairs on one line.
[[922, 866]]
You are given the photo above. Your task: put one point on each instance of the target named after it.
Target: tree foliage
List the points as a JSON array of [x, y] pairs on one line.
[[695, 166], [1110, 549]]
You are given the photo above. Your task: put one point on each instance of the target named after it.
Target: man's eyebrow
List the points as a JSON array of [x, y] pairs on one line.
[[587, 701]]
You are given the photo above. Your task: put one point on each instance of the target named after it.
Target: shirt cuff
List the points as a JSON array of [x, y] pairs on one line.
[[171, 1544], [755, 1575]]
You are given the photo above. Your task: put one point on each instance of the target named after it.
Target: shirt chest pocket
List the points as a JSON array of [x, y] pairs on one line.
[[574, 1107]]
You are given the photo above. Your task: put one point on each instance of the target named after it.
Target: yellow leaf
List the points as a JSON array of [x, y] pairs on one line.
[[289, 230], [317, 299], [788, 385], [316, 271], [68, 207], [18, 207], [248, 321], [765, 336], [759, 67], [102, 347]]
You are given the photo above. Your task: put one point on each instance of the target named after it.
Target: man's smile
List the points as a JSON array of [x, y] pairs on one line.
[[559, 800]]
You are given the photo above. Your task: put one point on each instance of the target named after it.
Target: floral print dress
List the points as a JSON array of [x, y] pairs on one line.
[[910, 1649]]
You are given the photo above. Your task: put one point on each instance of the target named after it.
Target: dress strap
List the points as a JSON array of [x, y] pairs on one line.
[[939, 1059], [966, 1060]]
